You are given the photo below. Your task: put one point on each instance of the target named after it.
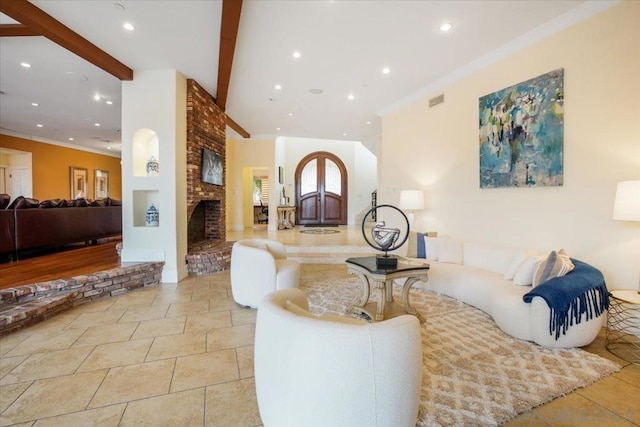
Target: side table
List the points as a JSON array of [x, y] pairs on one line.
[[382, 278], [623, 325], [286, 217]]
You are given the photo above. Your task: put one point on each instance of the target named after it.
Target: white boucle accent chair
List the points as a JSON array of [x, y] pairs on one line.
[[260, 266], [334, 371]]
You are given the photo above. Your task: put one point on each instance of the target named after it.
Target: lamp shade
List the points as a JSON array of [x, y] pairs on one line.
[[412, 199], [627, 203]]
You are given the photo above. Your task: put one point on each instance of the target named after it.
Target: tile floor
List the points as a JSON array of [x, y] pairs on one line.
[[182, 355]]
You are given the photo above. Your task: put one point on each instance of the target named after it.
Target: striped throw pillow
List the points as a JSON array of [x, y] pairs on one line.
[[557, 264]]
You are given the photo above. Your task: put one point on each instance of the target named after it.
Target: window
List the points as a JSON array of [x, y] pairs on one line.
[[261, 190], [309, 178]]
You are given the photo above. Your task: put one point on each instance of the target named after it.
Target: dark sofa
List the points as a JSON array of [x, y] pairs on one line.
[[29, 224]]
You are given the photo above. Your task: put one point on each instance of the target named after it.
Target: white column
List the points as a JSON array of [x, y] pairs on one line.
[[154, 121]]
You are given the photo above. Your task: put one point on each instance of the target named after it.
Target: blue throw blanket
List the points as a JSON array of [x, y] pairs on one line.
[[582, 291]]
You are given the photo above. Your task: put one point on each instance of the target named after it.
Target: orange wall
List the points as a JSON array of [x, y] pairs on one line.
[[51, 168]]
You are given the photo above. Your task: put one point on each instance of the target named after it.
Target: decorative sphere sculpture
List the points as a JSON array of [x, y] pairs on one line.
[[384, 238]]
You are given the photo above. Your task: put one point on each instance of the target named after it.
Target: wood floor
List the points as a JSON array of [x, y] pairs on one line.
[[78, 260], [72, 262]]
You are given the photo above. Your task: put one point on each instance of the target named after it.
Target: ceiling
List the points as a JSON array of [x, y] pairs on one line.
[[344, 46]]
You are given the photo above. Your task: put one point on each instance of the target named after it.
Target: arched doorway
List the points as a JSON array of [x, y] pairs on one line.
[[321, 190]]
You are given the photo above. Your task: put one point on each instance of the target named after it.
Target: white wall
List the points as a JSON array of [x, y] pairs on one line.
[[437, 149], [156, 100], [287, 152]]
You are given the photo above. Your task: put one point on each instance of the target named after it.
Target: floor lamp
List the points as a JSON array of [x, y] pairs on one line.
[[627, 203], [411, 200]]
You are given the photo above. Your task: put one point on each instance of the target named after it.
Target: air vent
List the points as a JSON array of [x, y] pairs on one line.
[[437, 100]]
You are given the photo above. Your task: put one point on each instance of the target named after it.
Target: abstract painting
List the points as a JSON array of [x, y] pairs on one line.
[[521, 134]]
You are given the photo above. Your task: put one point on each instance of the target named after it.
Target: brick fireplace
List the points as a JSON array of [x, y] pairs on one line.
[[206, 125], [206, 205]]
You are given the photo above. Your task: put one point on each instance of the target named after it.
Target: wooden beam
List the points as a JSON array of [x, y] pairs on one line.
[[16, 30], [228, 33], [233, 125], [39, 21]]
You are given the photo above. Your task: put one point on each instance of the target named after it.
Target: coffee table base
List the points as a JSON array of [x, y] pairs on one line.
[[392, 309]]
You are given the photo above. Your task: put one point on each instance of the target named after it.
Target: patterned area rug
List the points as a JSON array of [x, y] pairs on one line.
[[474, 374]]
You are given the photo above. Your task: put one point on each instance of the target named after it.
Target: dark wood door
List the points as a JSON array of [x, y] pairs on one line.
[[321, 190]]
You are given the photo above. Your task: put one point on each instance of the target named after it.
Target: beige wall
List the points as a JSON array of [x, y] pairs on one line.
[[437, 149], [242, 156]]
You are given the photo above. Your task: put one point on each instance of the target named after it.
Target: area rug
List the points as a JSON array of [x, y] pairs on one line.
[[320, 231], [474, 374]]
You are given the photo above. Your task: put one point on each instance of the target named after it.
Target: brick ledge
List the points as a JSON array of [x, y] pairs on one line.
[[29, 304]]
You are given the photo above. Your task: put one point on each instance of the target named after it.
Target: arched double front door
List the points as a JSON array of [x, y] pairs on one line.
[[321, 190]]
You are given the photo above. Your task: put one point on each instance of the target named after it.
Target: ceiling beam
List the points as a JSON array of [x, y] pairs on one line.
[[228, 33], [233, 125], [37, 20], [16, 30]]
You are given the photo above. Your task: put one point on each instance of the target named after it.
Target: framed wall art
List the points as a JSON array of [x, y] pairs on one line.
[[78, 179], [212, 167], [101, 184], [522, 134]]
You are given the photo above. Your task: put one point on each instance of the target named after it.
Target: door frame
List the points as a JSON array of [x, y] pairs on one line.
[[344, 183]]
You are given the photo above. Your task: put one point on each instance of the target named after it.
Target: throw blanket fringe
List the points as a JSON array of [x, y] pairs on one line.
[[581, 292]]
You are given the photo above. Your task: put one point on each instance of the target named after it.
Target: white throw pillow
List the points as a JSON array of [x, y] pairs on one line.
[[431, 247], [524, 274], [449, 250], [517, 260]]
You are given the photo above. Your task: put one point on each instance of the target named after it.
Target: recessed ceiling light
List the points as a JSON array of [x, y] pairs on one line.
[[344, 134], [278, 87], [445, 27], [25, 64], [109, 102], [368, 123], [70, 139], [277, 128], [351, 97], [128, 26], [96, 97], [108, 147], [35, 104], [290, 114], [39, 125], [296, 54], [386, 70], [96, 124]]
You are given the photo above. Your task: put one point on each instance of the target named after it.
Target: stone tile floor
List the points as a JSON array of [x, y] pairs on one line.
[[182, 355]]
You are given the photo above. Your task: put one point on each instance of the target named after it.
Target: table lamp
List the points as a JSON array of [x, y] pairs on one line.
[[627, 203], [411, 200]]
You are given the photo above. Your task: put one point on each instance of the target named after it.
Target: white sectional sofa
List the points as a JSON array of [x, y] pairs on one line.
[[495, 280]]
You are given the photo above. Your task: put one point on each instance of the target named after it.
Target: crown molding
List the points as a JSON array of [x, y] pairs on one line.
[[559, 23], [58, 143]]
